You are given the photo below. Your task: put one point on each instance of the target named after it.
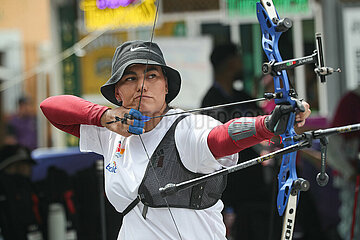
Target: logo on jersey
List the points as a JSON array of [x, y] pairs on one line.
[[111, 167], [119, 151]]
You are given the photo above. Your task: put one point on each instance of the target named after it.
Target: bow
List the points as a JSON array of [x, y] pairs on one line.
[[289, 185], [271, 33]]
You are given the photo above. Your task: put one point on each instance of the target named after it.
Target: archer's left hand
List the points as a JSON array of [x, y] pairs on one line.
[[301, 117], [278, 120]]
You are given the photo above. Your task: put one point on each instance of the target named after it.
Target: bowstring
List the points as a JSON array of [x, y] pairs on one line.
[[157, 180], [147, 58], [141, 140]]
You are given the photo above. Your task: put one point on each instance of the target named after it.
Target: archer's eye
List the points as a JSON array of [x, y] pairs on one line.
[[130, 79], [151, 75]]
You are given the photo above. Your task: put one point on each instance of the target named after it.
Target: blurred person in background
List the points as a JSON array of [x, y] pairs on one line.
[[142, 154], [21, 127], [228, 68], [19, 203], [344, 158]]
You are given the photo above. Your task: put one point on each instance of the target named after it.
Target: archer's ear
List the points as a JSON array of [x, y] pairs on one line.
[[166, 85], [117, 95]]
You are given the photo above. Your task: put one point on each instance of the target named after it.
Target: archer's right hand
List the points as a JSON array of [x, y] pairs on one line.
[[123, 121]]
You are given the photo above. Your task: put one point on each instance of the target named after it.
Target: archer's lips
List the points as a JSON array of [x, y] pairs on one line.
[[143, 96]]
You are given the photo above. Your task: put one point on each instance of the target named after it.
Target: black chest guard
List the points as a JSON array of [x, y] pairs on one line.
[[168, 168]]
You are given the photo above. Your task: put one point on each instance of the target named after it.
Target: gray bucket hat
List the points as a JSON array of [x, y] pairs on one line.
[[139, 52]]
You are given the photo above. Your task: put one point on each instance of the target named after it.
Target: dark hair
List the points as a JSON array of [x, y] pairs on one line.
[[221, 53]]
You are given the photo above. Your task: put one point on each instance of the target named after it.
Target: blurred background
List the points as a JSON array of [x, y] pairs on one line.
[[53, 47]]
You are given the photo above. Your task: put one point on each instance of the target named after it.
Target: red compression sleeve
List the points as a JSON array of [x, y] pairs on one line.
[[221, 144], [68, 112]]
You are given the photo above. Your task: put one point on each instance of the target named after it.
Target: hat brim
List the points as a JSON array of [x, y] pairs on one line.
[[173, 77]]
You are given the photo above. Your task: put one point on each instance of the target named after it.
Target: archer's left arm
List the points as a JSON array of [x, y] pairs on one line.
[[241, 133]]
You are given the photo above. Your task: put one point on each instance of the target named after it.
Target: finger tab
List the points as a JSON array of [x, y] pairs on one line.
[[135, 113], [135, 130], [138, 123]]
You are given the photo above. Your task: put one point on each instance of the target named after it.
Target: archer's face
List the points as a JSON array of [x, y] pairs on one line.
[[154, 84]]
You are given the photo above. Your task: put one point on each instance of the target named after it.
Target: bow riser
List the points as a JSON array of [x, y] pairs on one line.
[[270, 39]]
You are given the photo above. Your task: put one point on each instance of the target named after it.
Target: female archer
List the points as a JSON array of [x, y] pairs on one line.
[[143, 152]]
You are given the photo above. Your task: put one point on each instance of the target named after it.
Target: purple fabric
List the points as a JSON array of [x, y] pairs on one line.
[[112, 4], [25, 130]]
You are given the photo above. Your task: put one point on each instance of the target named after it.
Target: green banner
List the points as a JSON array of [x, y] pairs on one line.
[[69, 35], [247, 8]]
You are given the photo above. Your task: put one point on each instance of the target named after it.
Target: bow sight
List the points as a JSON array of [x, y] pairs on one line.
[[321, 71]]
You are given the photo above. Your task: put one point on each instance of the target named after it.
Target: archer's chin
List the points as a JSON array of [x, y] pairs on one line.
[[150, 110]]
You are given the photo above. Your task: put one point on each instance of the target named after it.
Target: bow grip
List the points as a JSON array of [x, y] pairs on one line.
[[286, 111], [282, 124], [299, 106]]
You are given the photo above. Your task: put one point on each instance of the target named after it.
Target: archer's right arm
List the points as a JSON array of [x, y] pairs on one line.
[[67, 113]]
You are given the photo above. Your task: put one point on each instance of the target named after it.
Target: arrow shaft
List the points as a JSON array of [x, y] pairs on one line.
[[211, 107]]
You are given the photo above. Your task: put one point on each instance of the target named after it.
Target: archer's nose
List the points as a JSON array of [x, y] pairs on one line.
[[142, 85]]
